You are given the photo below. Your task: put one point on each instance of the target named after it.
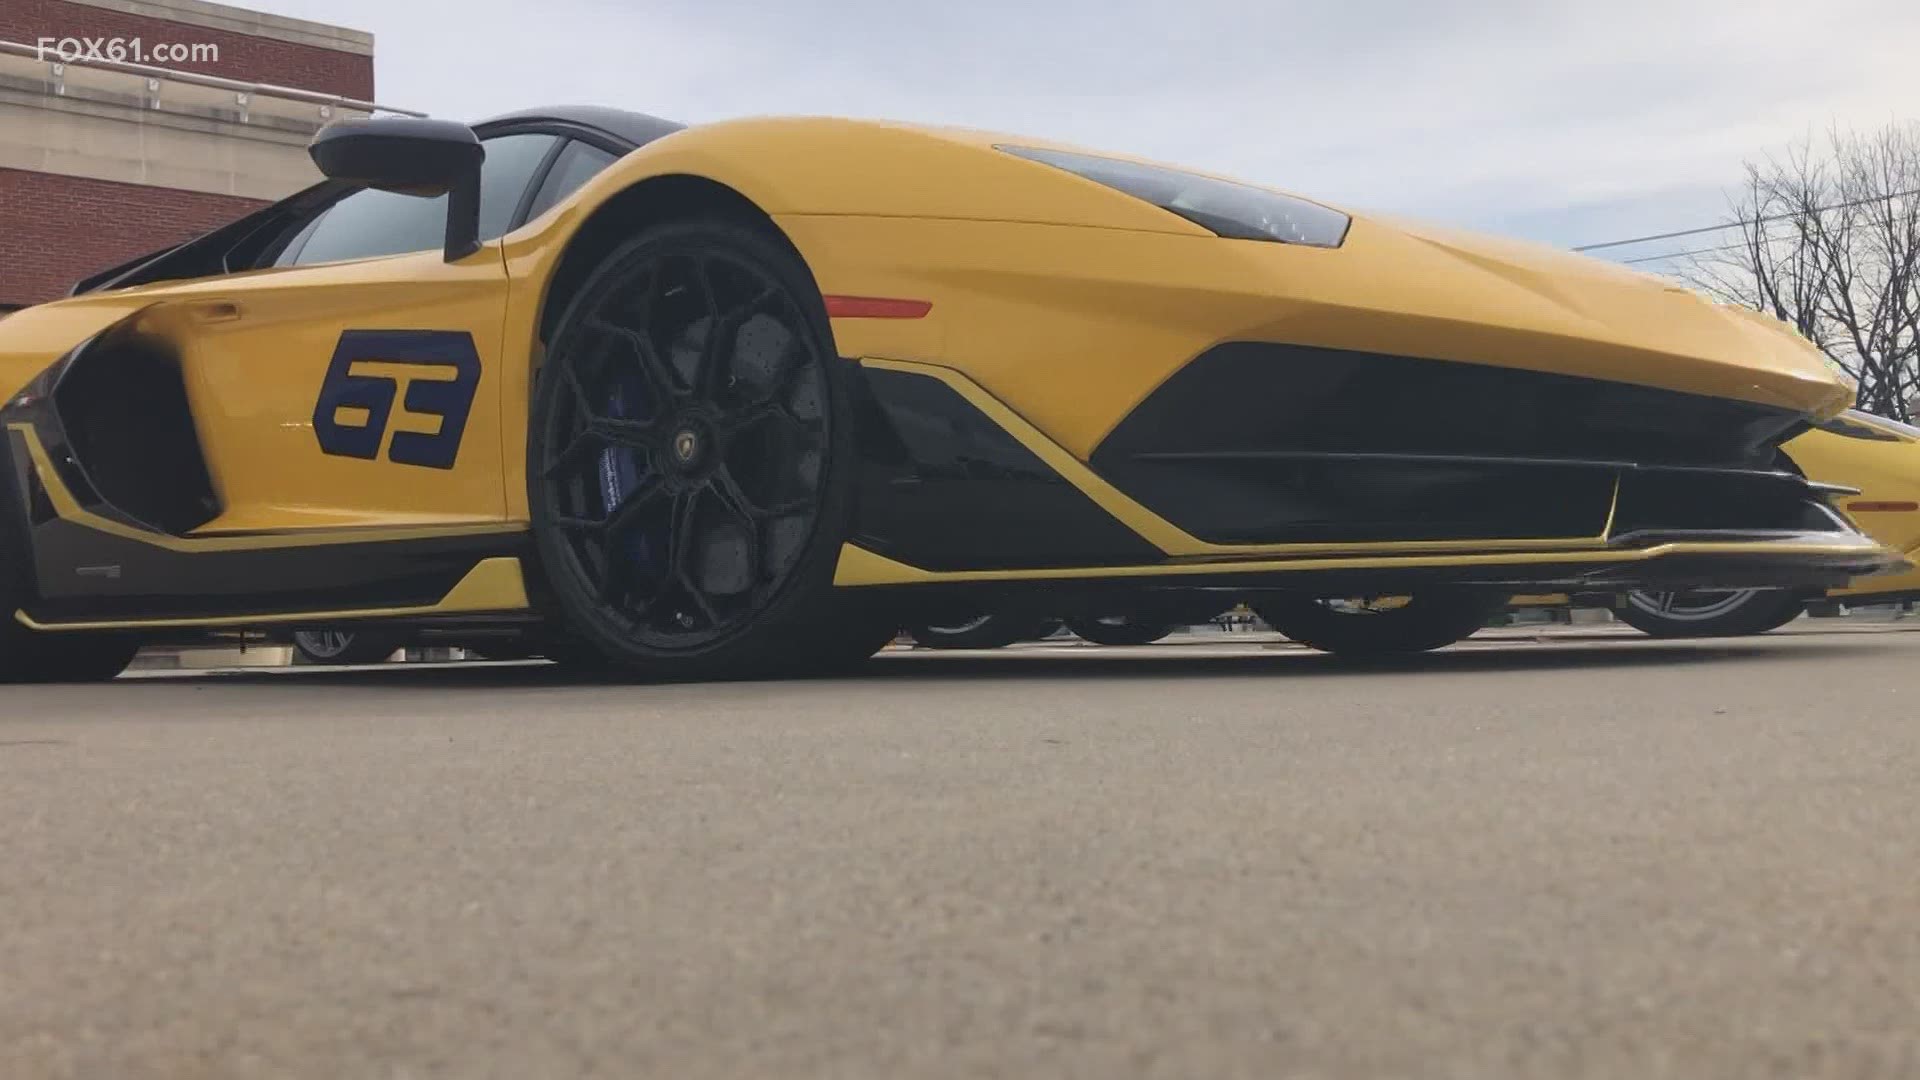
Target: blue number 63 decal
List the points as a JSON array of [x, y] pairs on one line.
[[441, 370]]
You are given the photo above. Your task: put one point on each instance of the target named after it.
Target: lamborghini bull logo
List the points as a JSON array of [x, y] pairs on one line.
[[441, 370]]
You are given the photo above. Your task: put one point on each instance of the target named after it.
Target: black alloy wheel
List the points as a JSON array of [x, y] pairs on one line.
[[988, 630], [1381, 626], [1148, 618], [689, 469], [1711, 612], [335, 646], [1127, 629]]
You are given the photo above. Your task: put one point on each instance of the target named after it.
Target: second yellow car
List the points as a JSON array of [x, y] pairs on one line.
[[1878, 457]]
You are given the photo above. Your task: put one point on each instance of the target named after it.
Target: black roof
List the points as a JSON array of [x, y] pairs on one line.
[[631, 127]]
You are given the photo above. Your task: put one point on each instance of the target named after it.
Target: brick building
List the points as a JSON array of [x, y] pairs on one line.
[[99, 165]]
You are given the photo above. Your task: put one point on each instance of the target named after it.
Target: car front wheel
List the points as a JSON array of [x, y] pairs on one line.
[[1380, 626], [345, 647], [1711, 612], [1121, 629], [690, 460], [985, 631]]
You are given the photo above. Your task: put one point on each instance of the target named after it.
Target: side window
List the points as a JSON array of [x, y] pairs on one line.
[[370, 223], [578, 163], [511, 162]]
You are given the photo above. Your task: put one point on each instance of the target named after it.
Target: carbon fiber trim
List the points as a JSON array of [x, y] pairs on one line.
[[1266, 443], [945, 488]]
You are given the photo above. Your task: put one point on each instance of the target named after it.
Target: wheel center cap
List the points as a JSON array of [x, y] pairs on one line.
[[686, 446]]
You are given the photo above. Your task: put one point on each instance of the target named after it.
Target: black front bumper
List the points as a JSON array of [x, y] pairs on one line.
[[1255, 443]]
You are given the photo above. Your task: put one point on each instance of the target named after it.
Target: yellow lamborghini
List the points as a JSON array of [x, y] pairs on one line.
[[1880, 460], [748, 396]]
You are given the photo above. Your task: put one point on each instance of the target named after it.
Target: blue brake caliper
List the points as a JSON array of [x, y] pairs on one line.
[[621, 470]]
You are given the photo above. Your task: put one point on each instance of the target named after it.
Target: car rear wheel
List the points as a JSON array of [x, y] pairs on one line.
[[1148, 619], [1121, 629], [690, 462], [503, 650], [30, 657], [987, 631], [1380, 626], [345, 647], [1711, 612]]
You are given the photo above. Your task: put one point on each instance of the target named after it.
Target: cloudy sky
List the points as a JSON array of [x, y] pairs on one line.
[[1563, 122]]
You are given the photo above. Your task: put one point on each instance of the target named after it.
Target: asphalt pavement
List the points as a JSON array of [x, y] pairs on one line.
[[1600, 857]]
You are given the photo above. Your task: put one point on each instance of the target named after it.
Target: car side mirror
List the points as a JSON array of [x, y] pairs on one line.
[[411, 156]]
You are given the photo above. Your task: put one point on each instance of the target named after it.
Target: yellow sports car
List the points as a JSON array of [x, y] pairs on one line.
[[1878, 457], [748, 396]]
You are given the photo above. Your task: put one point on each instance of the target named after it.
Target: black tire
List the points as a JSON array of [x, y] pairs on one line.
[[1121, 629], [345, 648], [848, 641], [27, 656], [690, 488], [982, 631], [1711, 613], [572, 654], [503, 650], [1428, 620]]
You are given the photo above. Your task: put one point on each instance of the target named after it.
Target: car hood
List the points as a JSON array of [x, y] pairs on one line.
[[1515, 304], [1394, 285]]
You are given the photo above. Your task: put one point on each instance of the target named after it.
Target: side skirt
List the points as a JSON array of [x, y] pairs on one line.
[[76, 564], [493, 586]]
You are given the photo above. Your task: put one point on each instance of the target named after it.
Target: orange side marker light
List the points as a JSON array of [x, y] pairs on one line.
[[875, 307]]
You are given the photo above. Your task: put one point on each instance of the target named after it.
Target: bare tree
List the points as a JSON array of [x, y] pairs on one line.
[[1829, 241]]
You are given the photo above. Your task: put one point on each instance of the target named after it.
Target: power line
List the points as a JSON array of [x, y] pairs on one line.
[[1741, 246], [1767, 238], [1675, 235], [1738, 224], [1682, 254]]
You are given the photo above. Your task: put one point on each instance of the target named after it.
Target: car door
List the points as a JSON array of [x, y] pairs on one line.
[[355, 381]]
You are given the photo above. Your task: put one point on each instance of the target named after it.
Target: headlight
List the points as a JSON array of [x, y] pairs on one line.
[[1228, 209]]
